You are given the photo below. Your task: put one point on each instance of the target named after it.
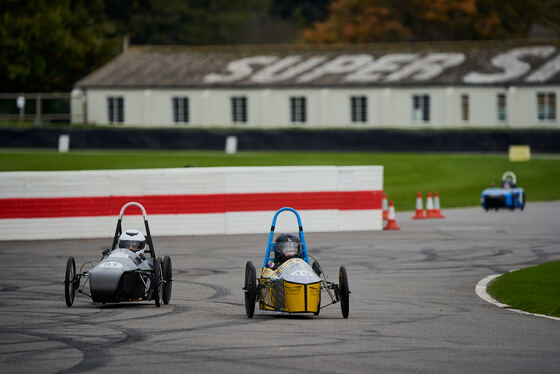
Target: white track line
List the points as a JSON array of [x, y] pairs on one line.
[[480, 290]]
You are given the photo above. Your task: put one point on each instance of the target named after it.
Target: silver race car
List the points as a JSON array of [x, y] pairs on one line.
[[128, 271]]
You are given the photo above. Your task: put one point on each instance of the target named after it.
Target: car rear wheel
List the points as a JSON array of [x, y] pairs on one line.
[[70, 281], [344, 292], [167, 278], [250, 289], [157, 281]]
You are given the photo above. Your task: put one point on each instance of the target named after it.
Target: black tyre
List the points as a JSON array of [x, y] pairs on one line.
[[250, 289], [167, 278], [157, 281], [344, 292], [70, 281]]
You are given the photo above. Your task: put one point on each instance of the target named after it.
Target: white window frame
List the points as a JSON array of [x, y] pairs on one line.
[[239, 109], [115, 109], [501, 107], [180, 106], [358, 109], [465, 108], [298, 109], [421, 108], [546, 112]]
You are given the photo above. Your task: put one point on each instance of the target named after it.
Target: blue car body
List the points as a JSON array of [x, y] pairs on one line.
[[508, 196], [502, 198]]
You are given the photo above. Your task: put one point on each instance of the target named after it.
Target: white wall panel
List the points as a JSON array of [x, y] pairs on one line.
[[281, 179], [28, 190]]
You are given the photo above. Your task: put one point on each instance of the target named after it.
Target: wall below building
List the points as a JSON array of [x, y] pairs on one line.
[[475, 140]]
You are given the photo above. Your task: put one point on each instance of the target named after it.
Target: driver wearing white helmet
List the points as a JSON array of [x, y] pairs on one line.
[[132, 240]]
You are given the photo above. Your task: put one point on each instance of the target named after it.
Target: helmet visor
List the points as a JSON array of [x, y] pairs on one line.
[[135, 244], [288, 249]]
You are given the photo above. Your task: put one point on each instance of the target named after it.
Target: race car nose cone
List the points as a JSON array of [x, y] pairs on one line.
[[104, 282]]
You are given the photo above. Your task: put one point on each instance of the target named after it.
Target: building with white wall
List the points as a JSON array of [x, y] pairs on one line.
[[421, 85]]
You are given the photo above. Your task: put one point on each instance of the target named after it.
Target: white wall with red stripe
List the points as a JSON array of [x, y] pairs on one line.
[[189, 201]]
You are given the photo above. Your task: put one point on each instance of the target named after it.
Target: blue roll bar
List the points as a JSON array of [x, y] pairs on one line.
[[270, 244]]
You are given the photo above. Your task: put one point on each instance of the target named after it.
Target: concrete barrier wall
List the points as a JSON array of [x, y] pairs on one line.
[[190, 201]]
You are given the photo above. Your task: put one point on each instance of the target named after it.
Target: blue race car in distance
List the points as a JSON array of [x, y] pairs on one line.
[[508, 196]]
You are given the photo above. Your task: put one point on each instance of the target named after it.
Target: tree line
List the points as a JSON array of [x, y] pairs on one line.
[[47, 45], [362, 21]]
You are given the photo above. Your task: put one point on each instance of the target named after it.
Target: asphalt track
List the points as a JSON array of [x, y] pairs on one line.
[[413, 308]]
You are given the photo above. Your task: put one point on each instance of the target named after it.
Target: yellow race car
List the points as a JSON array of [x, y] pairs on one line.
[[287, 281]]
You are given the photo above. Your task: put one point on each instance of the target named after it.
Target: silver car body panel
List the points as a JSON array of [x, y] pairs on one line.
[[106, 277]]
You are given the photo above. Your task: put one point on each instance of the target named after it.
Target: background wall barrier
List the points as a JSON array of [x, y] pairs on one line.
[[392, 140], [190, 201]]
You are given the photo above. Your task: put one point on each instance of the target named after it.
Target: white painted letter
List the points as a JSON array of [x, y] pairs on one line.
[[550, 69], [371, 72], [511, 64], [340, 65], [239, 69], [272, 73], [427, 67]]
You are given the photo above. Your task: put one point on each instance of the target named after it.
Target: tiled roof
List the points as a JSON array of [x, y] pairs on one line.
[[390, 64]]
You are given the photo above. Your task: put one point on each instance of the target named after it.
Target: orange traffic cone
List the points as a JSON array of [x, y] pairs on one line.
[[437, 211], [430, 212], [419, 209], [385, 207], [391, 221]]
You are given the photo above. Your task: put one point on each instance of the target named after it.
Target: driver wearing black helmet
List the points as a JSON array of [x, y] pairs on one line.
[[286, 246]]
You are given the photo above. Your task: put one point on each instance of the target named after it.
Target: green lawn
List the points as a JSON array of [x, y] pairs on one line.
[[459, 178], [535, 289]]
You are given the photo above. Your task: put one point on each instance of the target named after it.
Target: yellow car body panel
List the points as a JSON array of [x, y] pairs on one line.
[[279, 294]]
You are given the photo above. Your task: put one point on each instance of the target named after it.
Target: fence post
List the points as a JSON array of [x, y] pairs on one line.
[[20, 102], [84, 107], [37, 110], [63, 143], [231, 145]]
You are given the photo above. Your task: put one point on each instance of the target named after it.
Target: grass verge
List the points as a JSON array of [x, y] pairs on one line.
[[535, 289], [459, 178]]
